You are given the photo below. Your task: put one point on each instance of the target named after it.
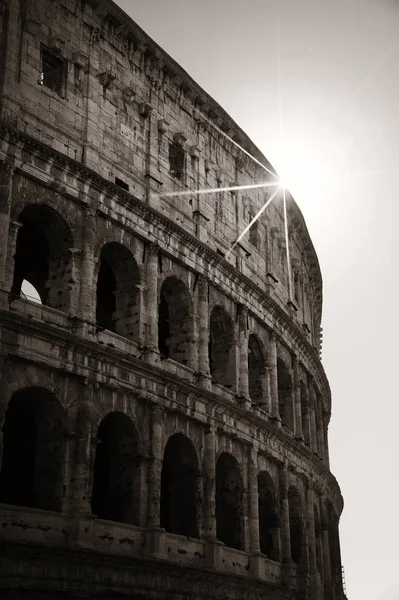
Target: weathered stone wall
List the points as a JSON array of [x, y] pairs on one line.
[[171, 397]]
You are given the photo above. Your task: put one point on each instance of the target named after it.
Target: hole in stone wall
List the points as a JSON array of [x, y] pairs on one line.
[[179, 487], [295, 516], [176, 160], [33, 450], [229, 498], [42, 257], [116, 471], [254, 233], [175, 328], [268, 521], [221, 348], [118, 295], [29, 292], [255, 369], [285, 392], [54, 70], [122, 184]]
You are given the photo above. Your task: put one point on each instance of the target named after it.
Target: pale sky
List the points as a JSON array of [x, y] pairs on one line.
[[315, 84]]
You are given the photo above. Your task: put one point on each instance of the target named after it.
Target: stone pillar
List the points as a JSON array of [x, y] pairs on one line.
[[320, 428], [326, 549], [82, 460], [74, 286], [88, 283], [11, 249], [152, 251], [297, 402], [155, 468], [326, 420], [273, 377], [210, 485], [313, 427], [306, 428], [288, 568], [243, 353], [253, 502], [311, 532], [6, 179], [203, 330]]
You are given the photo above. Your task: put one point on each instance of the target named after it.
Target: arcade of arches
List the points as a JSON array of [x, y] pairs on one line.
[[164, 322], [33, 474]]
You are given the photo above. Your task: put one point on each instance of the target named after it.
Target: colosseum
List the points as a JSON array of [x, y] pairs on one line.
[[164, 409]]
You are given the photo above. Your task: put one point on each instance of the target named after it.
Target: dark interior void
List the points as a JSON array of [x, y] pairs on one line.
[[176, 160], [33, 450], [175, 329], [285, 395], [229, 498], [268, 521], [118, 295], [41, 255], [221, 348], [295, 516], [116, 490], [255, 370], [180, 487]]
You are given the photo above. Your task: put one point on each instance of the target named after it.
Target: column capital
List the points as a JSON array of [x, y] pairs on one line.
[[273, 337], [7, 168], [152, 248]]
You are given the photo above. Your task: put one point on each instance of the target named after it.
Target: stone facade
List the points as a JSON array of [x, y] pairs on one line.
[[164, 410]]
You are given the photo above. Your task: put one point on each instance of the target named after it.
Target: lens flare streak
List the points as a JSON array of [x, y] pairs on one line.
[[232, 188]]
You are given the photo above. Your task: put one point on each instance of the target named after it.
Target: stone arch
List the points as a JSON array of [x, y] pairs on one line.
[[256, 369], [268, 519], [116, 476], [33, 450], [222, 362], [285, 394], [175, 321], [296, 525], [118, 292], [229, 502], [180, 487], [43, 257]]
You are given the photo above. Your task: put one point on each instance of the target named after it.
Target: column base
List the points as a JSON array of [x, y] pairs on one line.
[[276, 422], [155, 542], [256, 562], [213, 554], [205, 381], [289, 573], [244, 402], [82, 530]]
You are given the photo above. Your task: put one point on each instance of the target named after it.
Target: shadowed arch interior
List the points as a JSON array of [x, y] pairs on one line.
[[295, 517], [116, 490], [285, 395], [229, 502], [33, 452], [118, 295], [42, 255], [268, 520], [180, 487], [221, 348], [256, 369], [175, 327]]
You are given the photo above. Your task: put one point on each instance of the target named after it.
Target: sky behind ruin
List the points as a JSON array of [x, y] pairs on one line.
[[315, 85]]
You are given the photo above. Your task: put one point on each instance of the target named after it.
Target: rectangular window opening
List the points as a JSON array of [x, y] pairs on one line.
[[122, 184], [176, 160], [54, 69]]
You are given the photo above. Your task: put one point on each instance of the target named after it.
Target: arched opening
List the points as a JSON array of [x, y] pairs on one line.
[[318, 539], [33, 451], [118, 294], [268, 521], [305, 413], [221, 348], [285, 393], [116, 490], [229, 502], [42, 256], [255, 370], [335, 551], [295, 517], [180, 487], [175, 328]]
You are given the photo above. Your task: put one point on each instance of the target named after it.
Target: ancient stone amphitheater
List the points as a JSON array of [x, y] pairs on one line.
[[163, 407]]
